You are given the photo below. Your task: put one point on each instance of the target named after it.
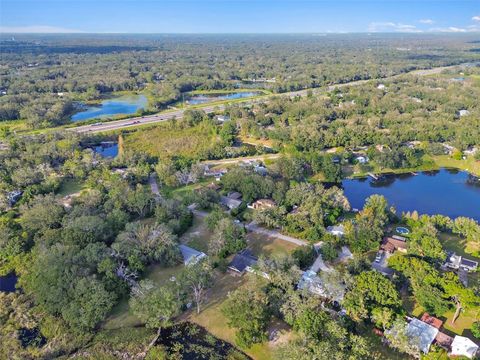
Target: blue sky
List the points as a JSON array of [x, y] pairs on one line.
[[239, 16]]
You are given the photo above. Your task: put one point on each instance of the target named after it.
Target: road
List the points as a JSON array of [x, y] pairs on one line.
[[242, 159], [209, 108], [252, 227]]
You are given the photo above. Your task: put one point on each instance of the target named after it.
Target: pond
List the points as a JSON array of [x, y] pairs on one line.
[[206, 98], [447, 192], [123, 105], [8, 282], [107, 149]]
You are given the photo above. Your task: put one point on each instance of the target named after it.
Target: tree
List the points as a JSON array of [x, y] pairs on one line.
[[140, 201], [156, 306], [424, 241], [227, 238], [398, 339], [43, 212], [370, 290], [463, 297], [246, 309], [476, 329], [197, 279], [148, 242]]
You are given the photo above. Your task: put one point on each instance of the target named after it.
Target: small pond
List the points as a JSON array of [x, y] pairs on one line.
[[107, 149], [447, 192], [123, 105], [206, 98], [8, 282]]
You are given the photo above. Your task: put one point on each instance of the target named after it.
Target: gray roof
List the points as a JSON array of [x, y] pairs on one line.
[[421, 334], [242, 261], [191, 256], [230, 203]]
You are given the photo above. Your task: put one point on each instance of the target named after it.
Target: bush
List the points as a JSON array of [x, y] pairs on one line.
[[476, 329]]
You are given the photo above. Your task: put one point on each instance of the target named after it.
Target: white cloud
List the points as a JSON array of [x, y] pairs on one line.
[[426, 21], [37, 29], [476, 18], [451, 29], [391, 26]]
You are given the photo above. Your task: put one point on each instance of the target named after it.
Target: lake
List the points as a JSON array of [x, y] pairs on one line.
[[448, 192], [8, 282], [123, 105], [206, 98]]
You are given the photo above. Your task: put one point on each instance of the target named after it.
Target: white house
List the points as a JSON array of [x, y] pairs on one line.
[[337, 230], [381, 86], [463, 112], [421, 334], [463, 346], [362, 159]]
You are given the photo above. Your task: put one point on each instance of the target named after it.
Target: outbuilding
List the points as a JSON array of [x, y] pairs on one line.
[[463, 346]]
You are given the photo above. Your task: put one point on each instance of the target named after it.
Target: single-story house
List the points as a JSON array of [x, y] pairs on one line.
[[421, 334], [230, 203], [463, 112], [217, 174], [381, 86], [190, 255], [14, 196], [234, 195], [463, 346], [313, 284], [262, 204], [337, 230], [242, 262], [390, 244], [213, 186], [362, 159], [456, 262], [261, 170]]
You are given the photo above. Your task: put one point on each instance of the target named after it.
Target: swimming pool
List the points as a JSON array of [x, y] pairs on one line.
[[402, 230]]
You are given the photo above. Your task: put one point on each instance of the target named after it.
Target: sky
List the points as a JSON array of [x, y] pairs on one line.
[[238, 16]]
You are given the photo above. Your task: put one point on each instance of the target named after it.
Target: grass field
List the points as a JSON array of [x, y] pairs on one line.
[[197, 236], [164, 140], [269, 246], [215, 322], [70, 186]]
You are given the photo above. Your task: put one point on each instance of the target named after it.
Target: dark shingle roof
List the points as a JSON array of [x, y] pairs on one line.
[[242, 260]]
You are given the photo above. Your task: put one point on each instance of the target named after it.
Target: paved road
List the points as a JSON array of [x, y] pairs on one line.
[[241, 159], [178, 114]]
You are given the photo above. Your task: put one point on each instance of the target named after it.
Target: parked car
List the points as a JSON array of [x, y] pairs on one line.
[[379, 256]]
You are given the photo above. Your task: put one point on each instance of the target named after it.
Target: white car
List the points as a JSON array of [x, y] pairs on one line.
[[378, 258]]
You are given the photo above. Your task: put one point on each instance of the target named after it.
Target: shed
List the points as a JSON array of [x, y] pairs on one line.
[[190, 255], [463, 346]]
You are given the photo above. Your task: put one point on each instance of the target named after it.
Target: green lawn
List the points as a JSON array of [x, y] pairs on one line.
[[197, 236], [70, 186], [262, 245], [455, 243]]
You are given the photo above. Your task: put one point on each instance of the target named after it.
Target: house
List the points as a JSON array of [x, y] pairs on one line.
[[421, 334], [337, 230], [381, 86], [230, 203], [390, 245], [456, 262], [222, 118], [462, 346], [14, 196], [262, 204], [217, 174], [361, 159], [234, 195], [259, 169], [463, 112], [190, 255], [242, 262], [313, 284], [470, 151]]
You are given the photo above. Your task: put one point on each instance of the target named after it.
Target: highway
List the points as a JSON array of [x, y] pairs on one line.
[[209, 108]]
